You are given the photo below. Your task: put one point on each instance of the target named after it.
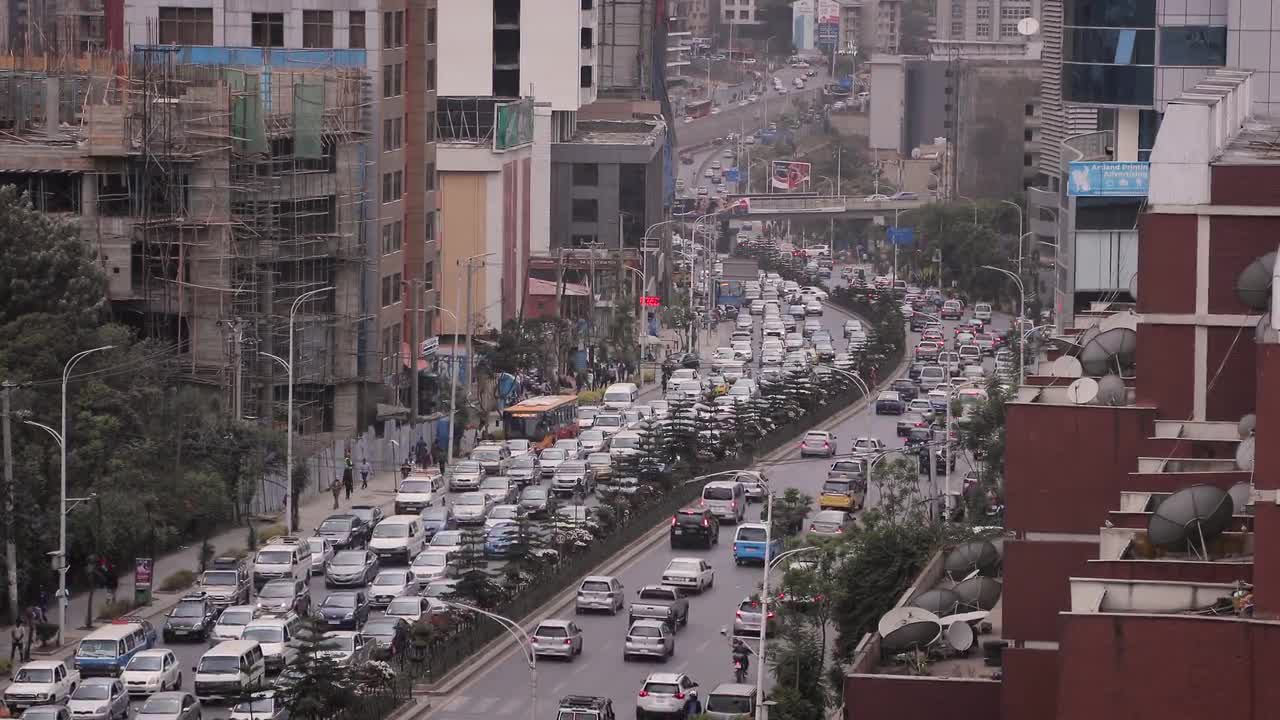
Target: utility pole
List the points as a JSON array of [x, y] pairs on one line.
[[237, 330], [409, 289], [11, 538], [467, 321]]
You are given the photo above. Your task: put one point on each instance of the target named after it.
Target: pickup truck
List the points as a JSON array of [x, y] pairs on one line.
[[43, 682], [660, 602]]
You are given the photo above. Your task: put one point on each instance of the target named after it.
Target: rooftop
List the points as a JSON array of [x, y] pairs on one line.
[[620, 132]]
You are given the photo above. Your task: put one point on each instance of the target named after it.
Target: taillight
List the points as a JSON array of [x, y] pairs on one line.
[[673, 521], [739, 613], [840, 530], [813, 528], [705, 523], [826, 444], [733, 505], [644, 693], [771, 613], [567, 641], [679, 696]]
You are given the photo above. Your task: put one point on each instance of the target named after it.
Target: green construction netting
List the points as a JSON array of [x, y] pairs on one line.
[[247, 123], [308, 109]]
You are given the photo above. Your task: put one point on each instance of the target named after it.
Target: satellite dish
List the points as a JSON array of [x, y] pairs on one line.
[[1190, 518], [1123, 319], [1241, 494], [976, 555], [971, 616], [960, 637], [1111, 391], [1244, 454], [1253, 284], [1066, 367], [980, 593], [915, 153], [1082, 391], [1111, 350], [1086, 337], [1028, 26], [1133, 286], [909, 628], [1264, 333], [1246, 425], [939, 601]]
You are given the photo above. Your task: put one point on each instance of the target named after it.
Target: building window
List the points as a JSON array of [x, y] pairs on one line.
[[392, 237], [386, 290], [392, 133], [983, 30], [393, 29], [1029, 109], [431, 176], [586, 174], [1107, 46], [186, 26], [1028, 160], [431, 74], [429, 128], [399, 28], [744, 14], [1108, 84], [355, 30], [391, 290], [429, 276], [1008, 29], [429, 232], [983, 12], [392, 186], [392, 80], [1193, 45], [584, 76], [957, 30], [317, 28], [267, 29], [1113, 13], [1014, 12], [957, 9], [588, 4], [585, 210], [431, 26], [585, 38], [1028, 134], [582, 241]]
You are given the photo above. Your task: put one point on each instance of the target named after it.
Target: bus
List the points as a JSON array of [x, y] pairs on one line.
[[542, 420], [697, 109]]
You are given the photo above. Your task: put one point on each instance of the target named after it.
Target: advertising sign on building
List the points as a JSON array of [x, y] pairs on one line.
[[1109, 179], [787, 175], [802, 24], [512, 125], [828, 23]]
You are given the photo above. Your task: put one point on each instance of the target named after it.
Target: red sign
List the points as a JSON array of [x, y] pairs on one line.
[[650, 301], [143, 571]]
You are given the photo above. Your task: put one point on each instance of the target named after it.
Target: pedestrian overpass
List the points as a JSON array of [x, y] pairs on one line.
[[835, 206]]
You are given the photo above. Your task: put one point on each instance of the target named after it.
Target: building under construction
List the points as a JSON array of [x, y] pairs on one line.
[[219, 186]]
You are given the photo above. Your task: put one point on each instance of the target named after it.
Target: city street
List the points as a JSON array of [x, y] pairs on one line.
[[754, 115], [702, 648]]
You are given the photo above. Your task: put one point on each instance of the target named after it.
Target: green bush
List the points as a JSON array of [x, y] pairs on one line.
[[5, 666], [647, 376], [112, 610], [178, 581], [590, 397], [266, 532], [46, 632]]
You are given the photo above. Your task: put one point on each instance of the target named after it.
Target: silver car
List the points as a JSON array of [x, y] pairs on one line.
[[99, 699], [600, 592], [818, 442], [749, 616], [391, 584], [830, 524], [557, 638], [464, 475], [649, 638], [550, 459], [472, 508], [171, 705]]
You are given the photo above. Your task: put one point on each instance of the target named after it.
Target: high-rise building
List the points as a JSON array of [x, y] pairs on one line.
[[870, 26], [983, 20]]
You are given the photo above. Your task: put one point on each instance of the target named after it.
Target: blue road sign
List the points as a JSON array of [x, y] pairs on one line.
[[900, 235], [731, 175]]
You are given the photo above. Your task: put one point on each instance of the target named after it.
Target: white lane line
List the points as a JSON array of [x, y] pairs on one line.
[[482, 706], [511, 706]]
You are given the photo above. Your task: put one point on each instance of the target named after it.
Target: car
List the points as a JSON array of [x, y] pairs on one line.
[[889, 402], [830, 524], [689, 573], [346, 610], [232, 622], [951, 310], [535, 500], [464, 476], [585, 707], [437, 518], [927, 350], [472, 508], [344, 530], [818, 442], [345, 648], [412, 608], [868, 446], [811, 326], [433, 564], [500, 490], [662, 603], [500, 539], [322, 551], [502, 514], [573, 477], [519, 447], [285, 596], [649, 638], [524, 469], [227, 583], [601, 465], [370, 515], [556, 638], [261, 706], [749, 618], [694, 525], [750, 541], [46, 712], [905, 388], [389, 636], [909, 420], [99, 698], [667, 695], [414, 494], [191, 619], [391, 584], [600, 592], [351, 568], [172, 705], [276, 638], [904, 195], [550, 459], [152, 671], [982, 311], [595, 439]]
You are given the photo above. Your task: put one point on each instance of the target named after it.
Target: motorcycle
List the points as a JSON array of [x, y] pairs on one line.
[[739, 671]]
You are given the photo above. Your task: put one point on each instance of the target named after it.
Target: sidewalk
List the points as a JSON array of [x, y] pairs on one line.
[[313, 510]]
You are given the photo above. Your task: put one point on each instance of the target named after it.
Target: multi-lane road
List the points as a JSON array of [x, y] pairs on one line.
[[500, 689], [754, 115]]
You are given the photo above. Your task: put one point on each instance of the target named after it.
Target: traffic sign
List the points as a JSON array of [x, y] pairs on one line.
[[650, 301], [650, 244], [429, 347], [900, 235]]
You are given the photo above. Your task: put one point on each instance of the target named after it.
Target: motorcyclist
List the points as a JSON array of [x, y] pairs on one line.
[[741, 654]]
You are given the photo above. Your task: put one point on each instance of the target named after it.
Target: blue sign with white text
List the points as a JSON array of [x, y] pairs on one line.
[[1109, 179], [731, 175], [900, 235]]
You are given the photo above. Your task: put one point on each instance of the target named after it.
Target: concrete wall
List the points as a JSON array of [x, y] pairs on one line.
[[991, 103], [549, 51], [609, 159], [466, 40], [873, 697]]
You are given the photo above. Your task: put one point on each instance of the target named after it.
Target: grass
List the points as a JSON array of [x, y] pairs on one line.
[[112, 610], [266, 532], [180, 580], [590, 397]]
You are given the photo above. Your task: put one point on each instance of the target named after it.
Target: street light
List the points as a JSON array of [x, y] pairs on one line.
[[62, 507], [855, 377], [1022, 314], [523, 641], [453, 384], [1017, 207], [289, 366]]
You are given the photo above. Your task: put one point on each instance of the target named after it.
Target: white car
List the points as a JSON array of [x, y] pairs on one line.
[[868, 446], [472, 508], [152, 671], [231, 623], [689, 573], [432, 564], [667, 695], [413, 608]]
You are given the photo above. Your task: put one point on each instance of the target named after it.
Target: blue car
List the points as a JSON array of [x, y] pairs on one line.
[[749, 544], [500, 538]]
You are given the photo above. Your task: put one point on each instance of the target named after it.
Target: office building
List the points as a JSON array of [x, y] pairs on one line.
[[983, 20], [871, 27]]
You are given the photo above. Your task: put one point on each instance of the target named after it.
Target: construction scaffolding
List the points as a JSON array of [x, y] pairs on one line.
[[226, 191]]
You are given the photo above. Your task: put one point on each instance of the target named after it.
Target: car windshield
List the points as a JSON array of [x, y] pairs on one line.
[[752, 534], [159, 705], [626, 443], [188, 610], [835, 486], [340, 600], [815, 437], [553, 454], [381, 629], [467, 467], [338, 524], [398, 577], [729, 704], [431, 559], [645, 631], [391, 530], [261, 705], [447, 537], [219, 665], [275, 557], [348, 557], [276, 590], [344, 643], [92, 691], [422, 487], [587, 413], [598, 459], [591, 436], [608, 421], [435, 514], [235, 617], [713, 492], [220, 578], [145, 662], [657, 688], [523, 462], [595, 586], [486, 455], [405, 606], [504, 512], [94, 648], [534, 494], [470, 500], [264, 634], [684, 566]]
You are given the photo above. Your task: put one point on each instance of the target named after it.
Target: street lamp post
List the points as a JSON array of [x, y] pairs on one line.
[[1017, 207], [288, 463], [453, 384], [62, 506], [523, 641], [1022, 314]]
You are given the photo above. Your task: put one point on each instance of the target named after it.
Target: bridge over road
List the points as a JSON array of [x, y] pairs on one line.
[[842, 206]]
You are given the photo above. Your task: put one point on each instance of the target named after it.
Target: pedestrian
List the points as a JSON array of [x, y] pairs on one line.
[[43, 606], [420, 453], [30, 633], [441, 457], [336, 489], [365, 469], [348, 477], [17, 635]]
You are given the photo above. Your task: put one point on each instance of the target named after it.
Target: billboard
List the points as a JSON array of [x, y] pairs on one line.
[[512, 125], [828, 23], [789, 175], [1109, 179], [802, 24]]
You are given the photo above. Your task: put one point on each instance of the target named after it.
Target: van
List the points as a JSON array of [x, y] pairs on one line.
[[282, 557], [277, 636], [932, 376], [621, 396], [727, 499], [731, 701], [398, 538], [749, 544], [108, 649], [231, 669], [840, 493], [982, 311]]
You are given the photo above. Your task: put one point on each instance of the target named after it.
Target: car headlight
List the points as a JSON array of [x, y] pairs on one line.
[[43, 696], [102, 709], [349, 615]]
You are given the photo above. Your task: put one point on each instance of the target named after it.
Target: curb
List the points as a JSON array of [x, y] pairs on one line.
[[498, 647]]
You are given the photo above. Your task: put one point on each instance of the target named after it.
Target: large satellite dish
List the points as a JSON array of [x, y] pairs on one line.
[[1190, 518], [1245, 453], [1082, 391], [1066, 367], [980, 593], [939, 601], [960, 637], [1111, 391], [1028, 27], [1123, 319], [976, 555], [1253, 284], [1086, 337], [908, 628], [1241, 493], [1133, 286], [1246, 425], [1111, 351]]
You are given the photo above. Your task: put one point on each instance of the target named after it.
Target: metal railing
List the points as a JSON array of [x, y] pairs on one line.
[[1087, 146]]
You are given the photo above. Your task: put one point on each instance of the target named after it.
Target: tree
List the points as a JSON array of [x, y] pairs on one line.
[[314, 687], [983, 436]]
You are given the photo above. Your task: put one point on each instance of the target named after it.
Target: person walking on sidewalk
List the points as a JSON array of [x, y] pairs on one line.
[[30, 633], [348, 475], [442, 458], [17, 634], [336, 488], [365, 469]]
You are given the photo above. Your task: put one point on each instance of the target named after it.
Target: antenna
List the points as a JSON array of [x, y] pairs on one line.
[[959, 636], [1110, 351], [908, 628], [1190, 518], [1253, 284], [1083, 391], [1028, 27], [980, 593], [974, 557], [1245, 427]]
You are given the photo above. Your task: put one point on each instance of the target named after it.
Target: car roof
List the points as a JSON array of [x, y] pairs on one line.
[[646, 622], [664, 677], [598, 578], [830, 515]]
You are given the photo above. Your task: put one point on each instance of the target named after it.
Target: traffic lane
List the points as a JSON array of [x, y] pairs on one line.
[[746, 119]]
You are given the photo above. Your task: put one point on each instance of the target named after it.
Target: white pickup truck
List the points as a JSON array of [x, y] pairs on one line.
[[42, 682]]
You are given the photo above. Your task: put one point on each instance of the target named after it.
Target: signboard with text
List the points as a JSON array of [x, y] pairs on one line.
[[1109, 179], [650, 301], [900, 235], [512, 124]]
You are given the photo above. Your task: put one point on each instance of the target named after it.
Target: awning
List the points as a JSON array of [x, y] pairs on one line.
[[538, 286]]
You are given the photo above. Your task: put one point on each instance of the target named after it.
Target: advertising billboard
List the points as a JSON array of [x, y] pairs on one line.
[[828, 23], [1109, 179], [512, 125], [802, 24], [787, 175]]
